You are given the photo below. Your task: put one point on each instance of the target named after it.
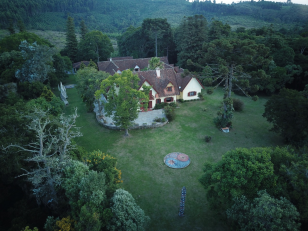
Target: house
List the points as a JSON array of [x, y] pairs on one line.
[[167, 84], [76, 66]]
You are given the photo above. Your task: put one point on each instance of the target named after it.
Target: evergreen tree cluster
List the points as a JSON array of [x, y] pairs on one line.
[[264, 10], [94, 45], [23, 10]]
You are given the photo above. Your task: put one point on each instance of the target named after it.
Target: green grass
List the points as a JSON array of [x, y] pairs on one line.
[[157, 188]]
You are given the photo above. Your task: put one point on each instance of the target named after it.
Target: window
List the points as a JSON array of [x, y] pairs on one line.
[[192, 93], [158, 101], [169, 88], [169, 99]]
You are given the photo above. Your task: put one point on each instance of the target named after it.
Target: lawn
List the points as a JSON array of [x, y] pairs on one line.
[[157, 188]]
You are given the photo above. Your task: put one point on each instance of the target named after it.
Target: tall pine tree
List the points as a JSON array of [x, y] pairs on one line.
[[189, 37], [11, 27], [71, 40], [83, 29], [21, 26]]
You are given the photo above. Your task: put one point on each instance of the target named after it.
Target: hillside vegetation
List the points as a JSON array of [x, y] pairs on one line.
[[116, 16]]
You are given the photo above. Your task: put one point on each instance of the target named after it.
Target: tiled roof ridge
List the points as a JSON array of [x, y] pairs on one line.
[[114, 63]]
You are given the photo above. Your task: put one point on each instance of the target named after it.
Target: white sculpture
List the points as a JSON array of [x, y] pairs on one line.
[[62, 89]]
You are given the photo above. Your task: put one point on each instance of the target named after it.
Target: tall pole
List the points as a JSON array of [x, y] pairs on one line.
[[156, 42]]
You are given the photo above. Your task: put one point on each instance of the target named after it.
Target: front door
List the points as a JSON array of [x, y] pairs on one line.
[[150, 105]]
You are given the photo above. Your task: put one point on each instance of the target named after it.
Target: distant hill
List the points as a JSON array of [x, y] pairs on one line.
[[115, 16]]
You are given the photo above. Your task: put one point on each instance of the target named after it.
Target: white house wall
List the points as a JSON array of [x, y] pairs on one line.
[[193, 85], [153, 93], [163, 98]]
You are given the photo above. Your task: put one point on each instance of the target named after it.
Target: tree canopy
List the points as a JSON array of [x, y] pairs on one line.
[[88, 82], [240, 172], [95, 46], [189, 37], [287, 111], [123, 98], [264, 213]]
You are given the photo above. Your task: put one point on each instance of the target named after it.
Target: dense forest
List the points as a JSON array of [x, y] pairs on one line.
[[116, 16], [50, 181]]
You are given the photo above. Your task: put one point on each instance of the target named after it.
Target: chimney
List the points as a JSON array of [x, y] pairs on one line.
[[110, 59], [157, 72]]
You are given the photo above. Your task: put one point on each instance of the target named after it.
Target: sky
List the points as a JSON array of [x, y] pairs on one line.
[[304, 2]]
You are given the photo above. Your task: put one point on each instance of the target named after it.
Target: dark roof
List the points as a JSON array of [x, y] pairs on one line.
[[114, 64], [121, 58], [169, 74], [159, 84], [77, 65], [183, 81]]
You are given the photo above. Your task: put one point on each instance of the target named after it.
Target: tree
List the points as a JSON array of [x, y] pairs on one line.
[[95, 46], [88, 82], [105, 163], [264, 213], [37, 62], [9, 63], [154, 34], [127, 214], [189, 37], [83, 29], [85, 190], [71, 46], [123, 98], [49, 153], [232, 62], [61, 64], [12, 42], [240, 172], [218, 30], [290, 166], [157, 31], [11, 28], [28, 229], [155, 63], [54, 107], [287, 111], [301, 44], [21, 26], [13, 130]]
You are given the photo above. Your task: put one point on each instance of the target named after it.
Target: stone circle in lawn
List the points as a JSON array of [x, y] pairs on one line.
[[177, 160]]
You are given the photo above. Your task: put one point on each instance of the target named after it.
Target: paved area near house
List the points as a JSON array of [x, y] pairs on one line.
[[149, 116], [143, 117]]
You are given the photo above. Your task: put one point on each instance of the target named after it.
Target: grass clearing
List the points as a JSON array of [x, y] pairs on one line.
[[157, 188]]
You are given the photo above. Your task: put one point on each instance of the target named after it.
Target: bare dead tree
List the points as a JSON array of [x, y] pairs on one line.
[[50, 152]]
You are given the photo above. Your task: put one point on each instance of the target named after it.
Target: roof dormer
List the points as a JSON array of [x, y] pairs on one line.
[[137, 68]]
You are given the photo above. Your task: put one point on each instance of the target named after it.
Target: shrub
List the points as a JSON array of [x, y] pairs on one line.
[[173, 104], [210, 91], [208, 82], [159, 119], [208, 139], [160, 106], [181, 100], [255, 98], [30, 90], [127, 215], [200, 95], [163, 120], [170, 113], [238, 105], [221, 122]]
